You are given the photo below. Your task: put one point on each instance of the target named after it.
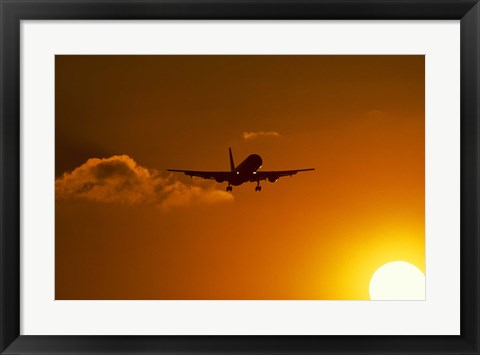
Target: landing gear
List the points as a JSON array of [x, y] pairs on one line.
[[258, 187], [229, 188]]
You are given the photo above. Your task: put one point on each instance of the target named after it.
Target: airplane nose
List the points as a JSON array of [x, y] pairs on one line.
[[258, 160]]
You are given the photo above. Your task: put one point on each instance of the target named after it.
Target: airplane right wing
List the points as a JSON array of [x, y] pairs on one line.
[[212, 175], [275, 175]]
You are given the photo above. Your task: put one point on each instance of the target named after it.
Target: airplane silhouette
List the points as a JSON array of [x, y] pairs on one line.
[[246, 171]]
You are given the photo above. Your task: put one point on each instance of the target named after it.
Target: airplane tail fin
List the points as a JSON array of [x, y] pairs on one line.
[[232, 165]]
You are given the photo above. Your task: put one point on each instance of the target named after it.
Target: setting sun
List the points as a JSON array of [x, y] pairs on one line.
[[397, 280]]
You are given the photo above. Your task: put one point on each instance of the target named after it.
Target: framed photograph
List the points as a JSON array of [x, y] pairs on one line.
[[239, 177]]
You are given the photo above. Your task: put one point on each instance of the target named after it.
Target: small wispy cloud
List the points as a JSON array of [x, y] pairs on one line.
[[375, 113], [119, 179], [260, 134]]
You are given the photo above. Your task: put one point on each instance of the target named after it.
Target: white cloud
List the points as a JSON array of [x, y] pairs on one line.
[[260, 134], [119, 179]]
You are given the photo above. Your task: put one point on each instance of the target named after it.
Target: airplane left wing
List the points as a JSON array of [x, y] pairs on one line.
[[273, 176], [212, 175]]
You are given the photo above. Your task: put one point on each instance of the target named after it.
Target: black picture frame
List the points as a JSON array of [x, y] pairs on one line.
[[13, 11]]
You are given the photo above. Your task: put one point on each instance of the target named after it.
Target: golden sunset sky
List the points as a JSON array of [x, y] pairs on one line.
[[127, 229]]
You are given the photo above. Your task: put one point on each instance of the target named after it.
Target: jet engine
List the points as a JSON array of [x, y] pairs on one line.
[[273, 178], [220, 180]]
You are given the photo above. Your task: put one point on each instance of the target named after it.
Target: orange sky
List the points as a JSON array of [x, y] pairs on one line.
[[127, 229]]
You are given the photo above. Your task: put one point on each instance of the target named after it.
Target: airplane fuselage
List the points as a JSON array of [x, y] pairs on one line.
[[246, 170]]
